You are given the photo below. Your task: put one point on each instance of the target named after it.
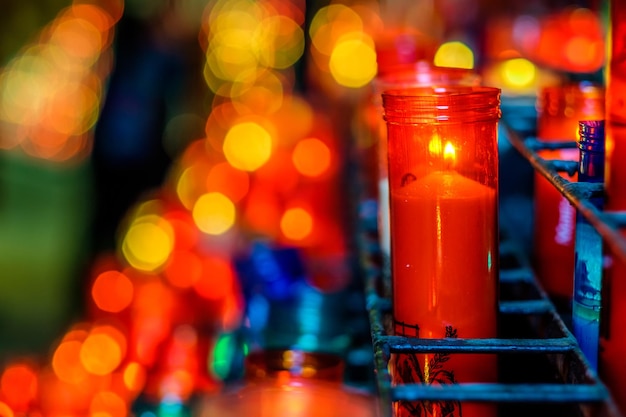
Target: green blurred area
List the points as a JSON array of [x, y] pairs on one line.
[[45, 214]]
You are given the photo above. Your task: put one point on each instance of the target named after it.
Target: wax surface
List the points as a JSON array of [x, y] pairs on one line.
[[445, 255], [444, 266]]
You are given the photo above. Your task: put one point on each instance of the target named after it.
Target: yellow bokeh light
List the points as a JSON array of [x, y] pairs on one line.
[[279, 41], [247, 146], [332, 22], [519, 72], [296, 223], [454, 54], [214, 213], [148, 243], [353, 61]]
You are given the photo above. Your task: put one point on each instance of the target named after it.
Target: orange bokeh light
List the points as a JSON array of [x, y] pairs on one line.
[[107, 403], [19, 385], [112, 291], [296, 223], [311, 157], [101, 353], [66, 362], [134, 377]]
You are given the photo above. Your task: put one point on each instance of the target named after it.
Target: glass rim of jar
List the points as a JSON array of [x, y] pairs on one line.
[[441, 104]]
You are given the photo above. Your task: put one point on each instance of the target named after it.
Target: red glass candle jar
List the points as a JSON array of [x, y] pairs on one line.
[[418, 74], [612, 366], [559, 109], [443, 177]]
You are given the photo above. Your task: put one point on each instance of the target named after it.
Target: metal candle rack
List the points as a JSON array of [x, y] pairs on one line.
[[542, 368]]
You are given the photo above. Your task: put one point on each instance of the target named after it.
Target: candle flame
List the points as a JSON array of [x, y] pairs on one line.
[[434, 146], [449, 153]]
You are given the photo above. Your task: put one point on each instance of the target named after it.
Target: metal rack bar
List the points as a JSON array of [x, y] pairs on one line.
[[577, 193]]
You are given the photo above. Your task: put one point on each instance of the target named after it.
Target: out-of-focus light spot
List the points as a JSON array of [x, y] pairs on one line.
[[221, 360], [178, 383], [526, 31], [311, 157], [260, 92], [66, 363], [183, 269], [108, 403], [519, 72], [247, 146], [134, 377], [280, 42], [171, 406], [78, 38], [112, 291], [353, 61], [216, 280], [148, 243], [330, 23], [191, 184], [454, 54], [228, 180], [214, 213], [102, 17], [100, 354], [583, 52], [18, 386], [5, 410], [296, 223]]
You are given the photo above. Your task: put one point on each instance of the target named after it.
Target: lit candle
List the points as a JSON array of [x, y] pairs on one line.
[[444, 233], [414, 74]]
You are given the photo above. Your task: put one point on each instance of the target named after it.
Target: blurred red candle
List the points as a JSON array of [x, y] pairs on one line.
[[442, 150], [559, 110]]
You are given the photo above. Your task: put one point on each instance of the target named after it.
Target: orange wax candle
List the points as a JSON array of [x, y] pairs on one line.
[[559, 110], [450, 275], [442, 151], [453, 219]]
